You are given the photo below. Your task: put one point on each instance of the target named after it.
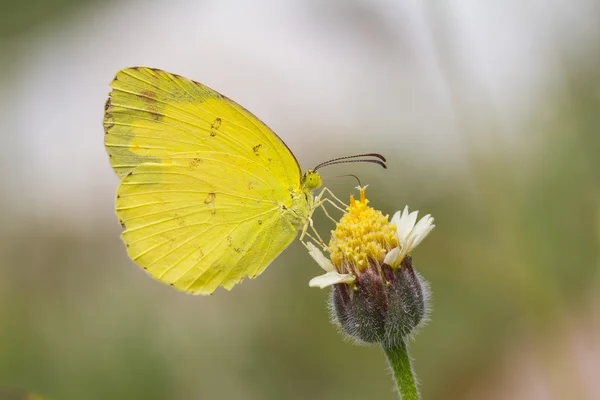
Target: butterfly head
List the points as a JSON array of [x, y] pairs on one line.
[[311, 180]]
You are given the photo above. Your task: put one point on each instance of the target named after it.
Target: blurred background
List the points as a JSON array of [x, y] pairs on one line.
[[489, 117]]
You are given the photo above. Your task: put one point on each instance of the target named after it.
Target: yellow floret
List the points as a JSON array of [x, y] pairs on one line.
[[363, 235]]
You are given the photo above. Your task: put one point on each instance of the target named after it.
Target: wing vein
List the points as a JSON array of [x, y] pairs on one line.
[[193, 191], [162, 114], [179, 227], [192, 251]]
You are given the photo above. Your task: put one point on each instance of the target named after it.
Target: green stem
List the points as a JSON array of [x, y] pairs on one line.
[[397, 355]]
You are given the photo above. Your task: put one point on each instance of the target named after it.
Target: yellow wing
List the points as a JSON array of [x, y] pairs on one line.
[[206, 188], [152, 114]]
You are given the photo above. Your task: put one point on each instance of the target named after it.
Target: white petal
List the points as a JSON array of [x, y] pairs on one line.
[[423, 222], [399, 219], [421, 230], [318, 256], [396, 218], [412, 218], [330, 278], [403, 253], [408, 233], [404, 225], [392, 257], [423, 235]]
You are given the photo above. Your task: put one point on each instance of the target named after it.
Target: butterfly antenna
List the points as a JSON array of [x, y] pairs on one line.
[[376, 159], [352, 175]]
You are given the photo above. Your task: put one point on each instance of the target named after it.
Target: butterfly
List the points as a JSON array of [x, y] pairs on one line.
[[209, 195]]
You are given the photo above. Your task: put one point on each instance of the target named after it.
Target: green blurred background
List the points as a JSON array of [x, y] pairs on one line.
[[488, 114]]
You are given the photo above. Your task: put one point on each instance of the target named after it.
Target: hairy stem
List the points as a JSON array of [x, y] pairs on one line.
[[399, 360]]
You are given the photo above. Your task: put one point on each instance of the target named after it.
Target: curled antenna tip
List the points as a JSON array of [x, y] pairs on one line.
[[379, 160], [352, 175], [382, 158]]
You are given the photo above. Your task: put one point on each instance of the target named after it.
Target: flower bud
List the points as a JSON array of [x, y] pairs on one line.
[[378, 308]]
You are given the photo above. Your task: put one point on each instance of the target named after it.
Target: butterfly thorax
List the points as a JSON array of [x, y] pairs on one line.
[[299, 210], [302, 200]]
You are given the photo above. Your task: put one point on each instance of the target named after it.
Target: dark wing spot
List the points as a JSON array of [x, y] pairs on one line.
[[149, 98], [215, 127], [210, 198], [260, 222], [109, 122], [122, 224], [195, 162], [256, 148], [156, 116]]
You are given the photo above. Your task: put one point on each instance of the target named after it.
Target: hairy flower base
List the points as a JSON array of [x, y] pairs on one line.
[[382, 307]]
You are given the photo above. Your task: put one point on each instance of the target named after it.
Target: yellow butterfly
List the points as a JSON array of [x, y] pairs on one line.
[[209, 194]]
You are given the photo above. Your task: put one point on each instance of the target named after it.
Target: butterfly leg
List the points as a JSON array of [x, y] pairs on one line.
[[320, 201], [317, 202], [312, 227], [317, 240], [330, 193], [321, 204]]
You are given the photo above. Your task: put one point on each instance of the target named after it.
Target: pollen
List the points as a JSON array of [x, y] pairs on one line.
[[362, 237]]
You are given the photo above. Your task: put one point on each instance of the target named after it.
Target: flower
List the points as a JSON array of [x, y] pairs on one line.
[[377, 295]]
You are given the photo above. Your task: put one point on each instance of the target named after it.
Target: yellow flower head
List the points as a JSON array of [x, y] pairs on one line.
[[364, 240], [363, 235]]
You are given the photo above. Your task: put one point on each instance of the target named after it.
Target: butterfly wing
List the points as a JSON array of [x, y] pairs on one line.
[[195, 232], [152, 114], [204, 183]]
